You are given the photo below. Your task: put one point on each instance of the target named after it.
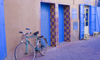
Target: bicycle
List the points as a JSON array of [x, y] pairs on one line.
[[26, 50]]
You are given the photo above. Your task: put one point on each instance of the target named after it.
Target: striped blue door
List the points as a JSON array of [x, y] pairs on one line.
[[81, 21], [92, 19], [3, 52], [45, 21], [61, 23]]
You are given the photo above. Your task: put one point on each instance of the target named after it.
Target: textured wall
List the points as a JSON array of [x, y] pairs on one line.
[[20, 14]]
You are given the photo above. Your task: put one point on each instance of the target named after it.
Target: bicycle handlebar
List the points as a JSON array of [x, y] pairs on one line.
[[26, 33], [29, 30]]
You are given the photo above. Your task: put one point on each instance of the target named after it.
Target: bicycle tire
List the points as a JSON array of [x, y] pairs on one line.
[[40, 45], [19, 52]]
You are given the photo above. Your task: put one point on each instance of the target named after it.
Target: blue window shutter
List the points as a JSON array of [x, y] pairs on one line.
[[81, 21], [3, 51], [92, 19]]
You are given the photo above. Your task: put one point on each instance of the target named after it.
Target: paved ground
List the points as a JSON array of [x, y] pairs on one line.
[[79, 50]]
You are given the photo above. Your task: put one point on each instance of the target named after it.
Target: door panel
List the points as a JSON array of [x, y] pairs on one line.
[[93, 19], [45, 21], [97, 19], [61, 23]]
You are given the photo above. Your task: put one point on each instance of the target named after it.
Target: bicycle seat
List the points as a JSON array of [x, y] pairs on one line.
[[36, 33]]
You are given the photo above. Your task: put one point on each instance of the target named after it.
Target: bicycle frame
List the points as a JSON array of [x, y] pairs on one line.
[[28, 42]]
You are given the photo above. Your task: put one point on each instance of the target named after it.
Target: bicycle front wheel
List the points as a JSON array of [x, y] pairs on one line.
[[20, 52], [43, 46]]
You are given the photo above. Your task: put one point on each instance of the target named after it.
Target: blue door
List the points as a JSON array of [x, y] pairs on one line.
[[61, 23], [45, 21], [92, 19], [81, 21], [3, 52], [97, 19]]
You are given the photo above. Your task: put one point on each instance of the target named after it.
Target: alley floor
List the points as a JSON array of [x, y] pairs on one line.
[[79, 50]]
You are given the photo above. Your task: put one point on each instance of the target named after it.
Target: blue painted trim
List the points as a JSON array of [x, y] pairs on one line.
[[3, 50], [90, 20], [4, 33], [81, 21]]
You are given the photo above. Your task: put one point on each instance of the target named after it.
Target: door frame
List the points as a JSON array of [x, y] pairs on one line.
[[81, 32], [66, 31], [89, 17]]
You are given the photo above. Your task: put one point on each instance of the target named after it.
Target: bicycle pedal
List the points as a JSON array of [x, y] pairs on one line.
[[25, 53], [37, 52], [39, 41], [42, 45]]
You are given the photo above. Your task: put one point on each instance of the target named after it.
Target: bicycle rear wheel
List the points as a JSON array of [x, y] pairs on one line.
[[20, 52], [43, 46]]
